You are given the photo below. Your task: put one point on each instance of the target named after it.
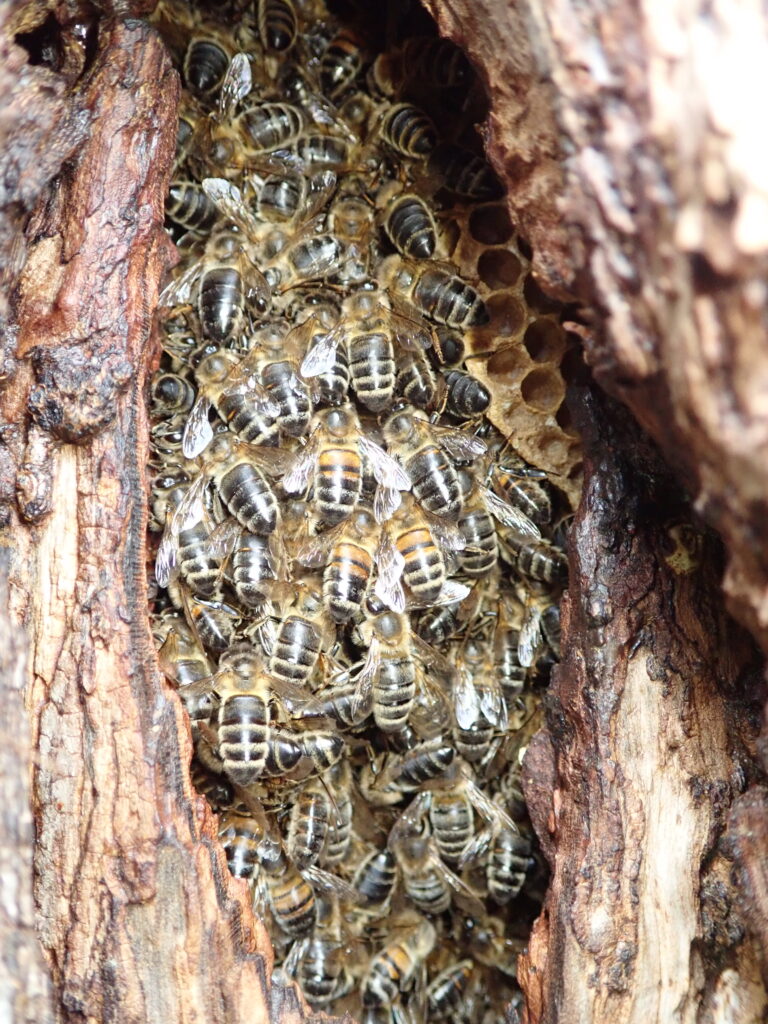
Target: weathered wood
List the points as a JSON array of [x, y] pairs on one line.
[[137, 913]]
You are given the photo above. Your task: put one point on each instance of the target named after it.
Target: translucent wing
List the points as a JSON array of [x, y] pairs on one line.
[[364, 682], [190, 510], [229, 202], [458, 446], [446, 534], [386, 501], [390, 564], [322, 356], [492, 703], [326, 882], [321, 188], [530, 633], [180, 290], [198, 432], [298, 474], [314, 551], [387, 471], [410, 821], [237, 84], [411, 332], [476, 847], [509, 515], [466, 700], [223, 539], [452, 593]]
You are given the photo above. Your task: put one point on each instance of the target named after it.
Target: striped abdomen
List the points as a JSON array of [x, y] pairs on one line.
[[435, 481], [393, 692], [508, 863], [291, 394], [247, 494], [372, 365], [424, 569], [251, 569], [308, 825], [250, 422], [482, 550], [447, 299], [277, 24], [197, 566], [345, 580], [220, 303], [410, 227], [243, 736], [451, 818], [338, 482], [296, 650]]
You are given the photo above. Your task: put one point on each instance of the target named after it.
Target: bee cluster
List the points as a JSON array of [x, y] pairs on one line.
[[358, 575]]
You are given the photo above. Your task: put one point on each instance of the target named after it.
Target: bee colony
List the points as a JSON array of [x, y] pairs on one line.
[[361, 534]]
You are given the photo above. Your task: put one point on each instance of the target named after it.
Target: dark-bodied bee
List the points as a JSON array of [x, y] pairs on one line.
[[182, 659], [374, 878], [241, 835], [435, 62], [291, 897], [341, 63], [252, 568], [347, 552], [168, 491], [276, 361], [519, 484], [276, 21], [506, 641], [223, 284], [446, 992], [448, 346], [435, 290], [462, 172], [476, 526], [408, 130], [394, 775], [416, 380], [265, 127], [465, 396], [212, 785], [318, 961], [302, 634], [340, 825], [317, 151], [205, 67], [308, 823], [393, 969], [184, 546], [481, 712], [333, 461], [509, 860], [536, 601], [239, 473], [427, 882], [393, 668], [426, 452], [188, 206], [172, 395], [407, 221], [214, 622], [534, 557]]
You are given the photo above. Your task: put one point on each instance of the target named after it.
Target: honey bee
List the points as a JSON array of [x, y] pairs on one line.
[[333, 460], [506, 640], [416, 380], [478, 700], [277, 363], [301, 635], [224, 283], [462, 172], [536, 603], [212, 785], [393, 969], [205, 67], [448, 346], [421, 60], [168, 490], [536, 558], [340, 825], [214, 622], [509, 860], [427, 882], [340, 65], [265, 127], [446, 993], [520, 485], [277, 24], [393, 668], [318, 959], [407, 221], [172, 395], [253, 568], [477, 528], [181, 657], [374, 878], [425, 451], [407, 130], [399, 774], [241, 836], [465, 396], [347, 552], [317, 151], [308, 823], [190, 208], [435, 290], [291, 897]]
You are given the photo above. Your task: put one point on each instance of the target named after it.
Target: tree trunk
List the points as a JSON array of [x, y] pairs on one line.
[[628, 161]]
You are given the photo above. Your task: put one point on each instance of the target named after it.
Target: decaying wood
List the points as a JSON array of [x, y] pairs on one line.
[[137, 914]]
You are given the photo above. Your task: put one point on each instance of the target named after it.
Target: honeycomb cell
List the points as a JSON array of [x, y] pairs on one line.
[[544, 341], [450, 232], [542, 389], [498, 268], [507, 315], [538, 299], [491, 224], [576, 470], [564, 421], [510, 362]]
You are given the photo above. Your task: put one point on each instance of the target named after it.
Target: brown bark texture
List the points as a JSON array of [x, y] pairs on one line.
[[138, 917]]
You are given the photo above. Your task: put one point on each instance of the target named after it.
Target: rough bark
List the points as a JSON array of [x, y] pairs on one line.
[[137, 914]]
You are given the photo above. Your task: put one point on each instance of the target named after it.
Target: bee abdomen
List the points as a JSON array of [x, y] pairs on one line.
[[473, 743], [431, 761], [188, 206], [372, 365], [393, 692], [508, 864], [410, 227], [243, 730], [345, 580], [283, 754], [416, 382], [277, 24], [449, 300], [205, 64], [296, 650], [452, 823], [199, 569], [408, 130], [482, 550], [248, 496], [446, 992], [251, 569], [435, 482], [541, 561], [375, 877], [271, 125], [428, 892], [466, 395], [293, 903], [338, 482], [339, 833], [424, 569], [246, 421], [291, 394], [221, 302], [308, 827]]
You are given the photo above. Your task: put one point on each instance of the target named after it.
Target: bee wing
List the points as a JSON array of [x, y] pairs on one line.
[[476, 847], [272, 461], [190, 510], [530, 634], [411, 332], [410, 821], [452, 593], [493, 814], [321, 187], [361, 701], [298, 473], [509, 515], [223, 539], [179, 291], [237, 83], [492, 703], [296, 955], [228, 200], [387, 470], [451, 879], [446, 534], [242, 380], [314, 550], [321, 356], [390, 564], [326, 882], [466, 700], [386, 501], [198, 432], [431, 658], [458, 446]]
